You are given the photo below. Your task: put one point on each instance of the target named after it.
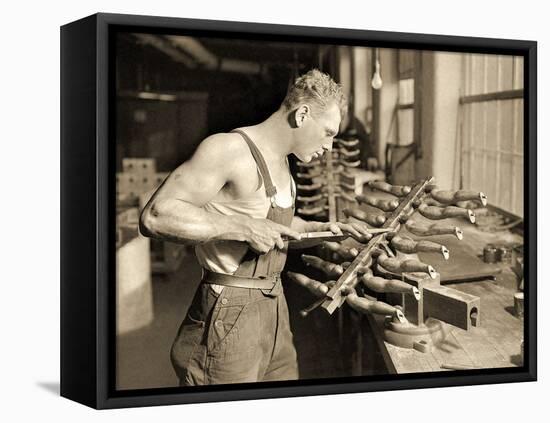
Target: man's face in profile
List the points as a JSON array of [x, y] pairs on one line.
[[316, 133]]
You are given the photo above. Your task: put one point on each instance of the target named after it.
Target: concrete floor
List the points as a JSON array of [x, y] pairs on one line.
[[143, 356]]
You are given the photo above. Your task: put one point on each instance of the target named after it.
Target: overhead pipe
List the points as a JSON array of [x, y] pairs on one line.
[[164, 46], [208, 60]]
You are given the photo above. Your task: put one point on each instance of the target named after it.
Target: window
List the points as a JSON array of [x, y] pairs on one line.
[[491, 129]]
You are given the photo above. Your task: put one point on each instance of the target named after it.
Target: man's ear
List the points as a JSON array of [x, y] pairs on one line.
[[301, 114]]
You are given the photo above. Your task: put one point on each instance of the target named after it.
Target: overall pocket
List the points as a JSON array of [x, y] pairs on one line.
[[238, 351], [225, 328], [191, 334]]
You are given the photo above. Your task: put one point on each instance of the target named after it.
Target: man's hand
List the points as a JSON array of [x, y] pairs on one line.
[[264, 234], [357, 230]]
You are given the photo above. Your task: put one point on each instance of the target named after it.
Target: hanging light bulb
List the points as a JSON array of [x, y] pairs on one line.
[[376, 79]]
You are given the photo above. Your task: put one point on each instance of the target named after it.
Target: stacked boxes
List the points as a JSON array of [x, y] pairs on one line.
[[138, 166], [137, 176], [135, 185]]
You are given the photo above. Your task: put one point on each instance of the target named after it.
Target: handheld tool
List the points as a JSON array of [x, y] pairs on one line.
[[311, 239]]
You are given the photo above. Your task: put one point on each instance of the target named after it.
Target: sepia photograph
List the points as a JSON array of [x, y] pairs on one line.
[[302, 211]]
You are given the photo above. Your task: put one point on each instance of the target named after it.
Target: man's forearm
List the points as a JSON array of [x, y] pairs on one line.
[[178, 221]]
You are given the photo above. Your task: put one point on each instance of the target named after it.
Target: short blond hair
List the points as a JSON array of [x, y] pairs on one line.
[[318, 90]]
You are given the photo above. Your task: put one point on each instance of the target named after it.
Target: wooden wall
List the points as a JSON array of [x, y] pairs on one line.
[[492, 129]]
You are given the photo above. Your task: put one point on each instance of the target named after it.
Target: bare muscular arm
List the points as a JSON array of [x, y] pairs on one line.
[[174, 212]]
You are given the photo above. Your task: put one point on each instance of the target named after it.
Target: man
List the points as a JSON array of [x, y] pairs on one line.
[[234, 200]]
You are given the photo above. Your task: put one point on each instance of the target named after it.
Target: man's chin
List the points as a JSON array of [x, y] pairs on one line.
[[304, 159]]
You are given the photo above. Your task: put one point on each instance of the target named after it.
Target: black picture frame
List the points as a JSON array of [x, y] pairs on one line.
[[87, 211]]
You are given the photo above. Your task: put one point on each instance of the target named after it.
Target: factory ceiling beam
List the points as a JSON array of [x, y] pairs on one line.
[[194, 55], [164, 46], [195, 49], [210, 61]]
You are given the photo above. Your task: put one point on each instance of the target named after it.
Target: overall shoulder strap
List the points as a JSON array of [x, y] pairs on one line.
[[270, 189], [292, 186]]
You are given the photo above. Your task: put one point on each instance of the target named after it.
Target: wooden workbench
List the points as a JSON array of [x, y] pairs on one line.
[[496, 343]]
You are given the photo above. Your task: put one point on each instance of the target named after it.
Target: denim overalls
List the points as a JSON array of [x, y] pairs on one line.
[[242, 334]]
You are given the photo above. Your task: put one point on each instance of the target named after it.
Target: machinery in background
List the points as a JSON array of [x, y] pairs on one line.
[[327, 185]]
